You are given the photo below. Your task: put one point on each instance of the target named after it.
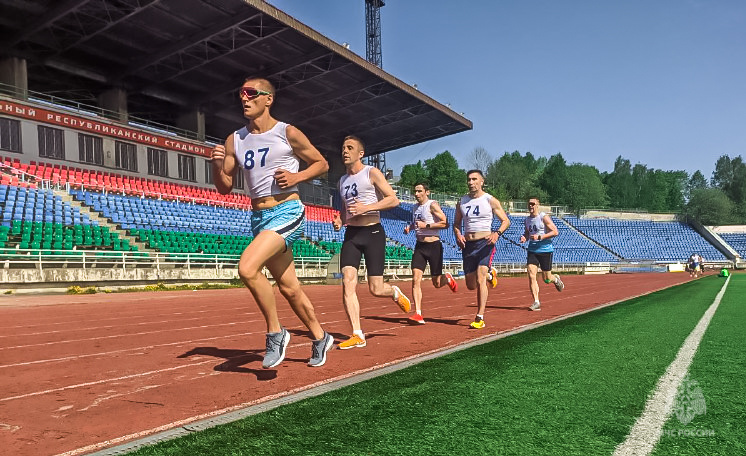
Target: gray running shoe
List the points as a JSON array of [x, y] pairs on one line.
[[535, 306], [319, 349], [276, 345], [559, 284]]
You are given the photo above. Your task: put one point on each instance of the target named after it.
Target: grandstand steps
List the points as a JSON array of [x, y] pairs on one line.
[[102, 221], [713, 238], [591, 240]]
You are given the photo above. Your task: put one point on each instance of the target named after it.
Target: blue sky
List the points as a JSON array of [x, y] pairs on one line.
[[662, 83]]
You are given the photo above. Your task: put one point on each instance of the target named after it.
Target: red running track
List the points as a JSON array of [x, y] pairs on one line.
[[80, 373]]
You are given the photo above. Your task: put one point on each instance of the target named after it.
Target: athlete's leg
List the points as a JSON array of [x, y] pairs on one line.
[[533, 286], [349, 296], [379, 288], [417, 289], [265, 245], [471, 280], [481, 278], [283, 270]]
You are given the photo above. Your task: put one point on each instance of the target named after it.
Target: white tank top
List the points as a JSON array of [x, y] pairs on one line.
[[422, 213], [535, 225], [476, 213], [260, 155], [358, 187]]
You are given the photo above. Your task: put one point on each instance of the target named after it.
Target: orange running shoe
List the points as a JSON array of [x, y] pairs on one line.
[[493, 277], [401, 300], [352, 342]]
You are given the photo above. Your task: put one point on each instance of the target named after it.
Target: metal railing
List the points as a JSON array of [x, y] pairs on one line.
[[97, 111]]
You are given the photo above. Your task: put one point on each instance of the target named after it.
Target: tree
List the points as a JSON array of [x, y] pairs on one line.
[[730, 177], [412, 175], [620, 185], [553, 179], [480, 159], [696, 182], [444, 175], [584, 187], [710, 206], [676, 183], [516, 175]]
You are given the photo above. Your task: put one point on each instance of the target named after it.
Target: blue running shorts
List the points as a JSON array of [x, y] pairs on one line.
[[477, 253], [286, 219]]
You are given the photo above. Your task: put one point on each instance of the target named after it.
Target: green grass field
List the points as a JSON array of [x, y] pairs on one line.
[[573, 388]]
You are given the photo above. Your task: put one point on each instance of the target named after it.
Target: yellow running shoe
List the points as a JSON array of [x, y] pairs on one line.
[[477, 324], [400, 299], [352, 342], [493, 277]]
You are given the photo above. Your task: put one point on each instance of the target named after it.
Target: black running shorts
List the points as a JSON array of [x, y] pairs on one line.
[[428, 252], [368, 241], [542, 260]]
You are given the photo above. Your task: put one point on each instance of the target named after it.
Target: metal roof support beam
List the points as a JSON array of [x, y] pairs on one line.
[[57, 11], [126, 15], [189, 41]]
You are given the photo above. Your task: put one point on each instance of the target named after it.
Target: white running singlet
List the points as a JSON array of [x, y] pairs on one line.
[[358, 187], [422, 213], [476, 213], [260, 155]]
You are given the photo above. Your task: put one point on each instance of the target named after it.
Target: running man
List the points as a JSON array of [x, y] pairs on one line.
[[476, 209], [539, 231], [268, 152], [364, 192], [427, 220], [695, 263]]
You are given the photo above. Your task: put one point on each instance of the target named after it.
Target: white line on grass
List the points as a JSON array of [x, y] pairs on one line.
[[647, 430]]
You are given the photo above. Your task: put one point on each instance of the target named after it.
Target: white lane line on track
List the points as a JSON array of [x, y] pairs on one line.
[[115, 336], [210, 419], [647, 430], [106, 380]]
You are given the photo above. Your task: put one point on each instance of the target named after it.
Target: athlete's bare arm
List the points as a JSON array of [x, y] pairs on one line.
[[224, 166], [302, 147], [388, 200], [497, 210]]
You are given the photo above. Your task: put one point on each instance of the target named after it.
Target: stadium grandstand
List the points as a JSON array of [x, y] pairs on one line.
[[105, 132]]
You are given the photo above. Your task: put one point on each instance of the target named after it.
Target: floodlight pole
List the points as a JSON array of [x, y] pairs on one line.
[[374, 56]]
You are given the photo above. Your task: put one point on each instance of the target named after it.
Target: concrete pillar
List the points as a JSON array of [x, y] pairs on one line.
[[114, 102], [14, 77], [193, 121]]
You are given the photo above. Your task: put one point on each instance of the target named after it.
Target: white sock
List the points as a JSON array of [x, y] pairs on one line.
[[359, 333]]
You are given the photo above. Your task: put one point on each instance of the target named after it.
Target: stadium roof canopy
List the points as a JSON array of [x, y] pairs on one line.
[[174, 57]]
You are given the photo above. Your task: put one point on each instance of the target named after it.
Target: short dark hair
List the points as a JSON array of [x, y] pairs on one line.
[[534, 198], [355, 138], [472, 171], [424, 185], [265, 82]]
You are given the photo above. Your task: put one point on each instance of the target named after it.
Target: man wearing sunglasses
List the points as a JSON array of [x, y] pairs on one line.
[[268, 153], [364, 193], [540, 229], [476, 210]]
